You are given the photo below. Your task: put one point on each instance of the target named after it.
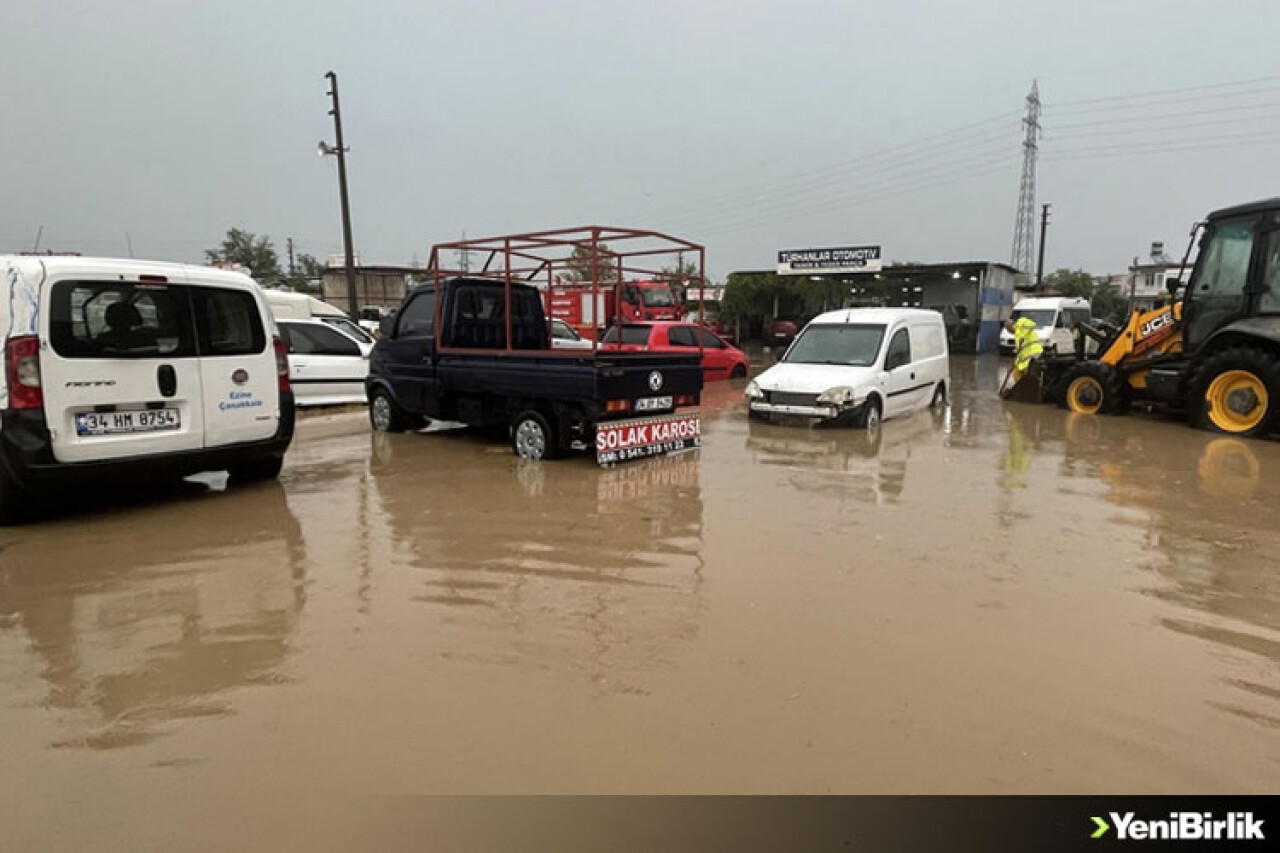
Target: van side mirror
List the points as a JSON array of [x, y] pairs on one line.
[[387, 325], [1172, 285]]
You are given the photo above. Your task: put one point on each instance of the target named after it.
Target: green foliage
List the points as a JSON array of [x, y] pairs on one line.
[[254, 252], [580, 263], [1107, 302], [1071, 283], [306, 274], [681, 276]]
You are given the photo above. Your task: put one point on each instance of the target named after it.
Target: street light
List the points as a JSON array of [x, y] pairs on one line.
[[340, 151]]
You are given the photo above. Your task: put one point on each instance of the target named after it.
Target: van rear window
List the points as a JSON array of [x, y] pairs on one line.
[[116, 319], [90, 319], [227, 321]]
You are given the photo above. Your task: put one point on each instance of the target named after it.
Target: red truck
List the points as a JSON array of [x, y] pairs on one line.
[[641, 301]]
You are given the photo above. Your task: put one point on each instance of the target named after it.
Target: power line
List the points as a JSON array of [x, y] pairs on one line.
[[1164, 127], [1120, 151], [863, 200], [943, 139], [827, 186], [1271, 78], [784, 202], [1141, 118]]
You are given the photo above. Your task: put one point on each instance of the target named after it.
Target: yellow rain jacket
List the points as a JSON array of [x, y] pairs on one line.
[[1027, 342]]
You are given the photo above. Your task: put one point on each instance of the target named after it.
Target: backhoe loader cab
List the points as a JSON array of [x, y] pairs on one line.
[[1214, 353]]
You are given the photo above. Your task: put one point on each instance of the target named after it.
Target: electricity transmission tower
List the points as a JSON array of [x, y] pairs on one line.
[[1024, 229]]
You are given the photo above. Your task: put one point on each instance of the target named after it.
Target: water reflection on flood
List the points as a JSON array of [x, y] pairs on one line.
[[143, 620]]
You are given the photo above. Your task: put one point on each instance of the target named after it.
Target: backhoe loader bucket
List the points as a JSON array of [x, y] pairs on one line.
[[1032, 387]]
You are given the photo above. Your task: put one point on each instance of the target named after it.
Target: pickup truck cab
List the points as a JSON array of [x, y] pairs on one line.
[[479, 351], [124, 369]]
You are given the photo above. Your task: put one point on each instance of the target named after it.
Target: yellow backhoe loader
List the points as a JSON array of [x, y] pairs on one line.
[[1213, 352]]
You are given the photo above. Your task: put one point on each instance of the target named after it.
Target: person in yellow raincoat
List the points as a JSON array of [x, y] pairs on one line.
[[1027, 343]]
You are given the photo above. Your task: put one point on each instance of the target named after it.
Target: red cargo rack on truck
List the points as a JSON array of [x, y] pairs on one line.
[[486, 357]]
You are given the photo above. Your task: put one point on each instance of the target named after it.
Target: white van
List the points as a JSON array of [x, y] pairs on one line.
[[122, 368], [288, 305], [857, 366], [1055, 318]]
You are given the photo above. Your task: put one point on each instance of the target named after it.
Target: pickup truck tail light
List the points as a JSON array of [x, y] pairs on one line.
[[614, 406], [22, 370], [282, 364]]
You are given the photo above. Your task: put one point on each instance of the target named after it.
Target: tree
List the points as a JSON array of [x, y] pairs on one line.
[[306, 274], [1106, 300], [580, 263], [1071, 283], [681, 276], [254, 252]]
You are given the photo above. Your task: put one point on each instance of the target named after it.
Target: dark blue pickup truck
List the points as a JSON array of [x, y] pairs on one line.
[[478, 351]]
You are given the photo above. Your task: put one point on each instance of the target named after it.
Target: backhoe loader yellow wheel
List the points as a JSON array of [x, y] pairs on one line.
[[1236, 391], [1237, 400], [1093, 388], [1085, 395]]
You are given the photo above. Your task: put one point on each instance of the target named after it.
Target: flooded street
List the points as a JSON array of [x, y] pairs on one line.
[[1001, 599]]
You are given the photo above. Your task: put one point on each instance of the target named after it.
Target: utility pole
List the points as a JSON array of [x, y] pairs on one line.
[[1044, 226], [341, 151], [1024, 233], [290, 257], [129, 242]]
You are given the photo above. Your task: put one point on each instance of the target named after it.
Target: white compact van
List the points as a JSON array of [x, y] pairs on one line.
[[1055, 318], [135, 369], [856, 367]]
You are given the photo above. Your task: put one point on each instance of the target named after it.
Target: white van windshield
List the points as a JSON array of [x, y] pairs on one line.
[[1039, 316], [832, 344]]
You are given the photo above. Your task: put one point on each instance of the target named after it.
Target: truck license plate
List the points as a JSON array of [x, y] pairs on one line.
[[127, 421], [636, 438], [653, 404]]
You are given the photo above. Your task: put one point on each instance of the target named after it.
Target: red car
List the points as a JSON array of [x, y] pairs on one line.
[[720, 359]]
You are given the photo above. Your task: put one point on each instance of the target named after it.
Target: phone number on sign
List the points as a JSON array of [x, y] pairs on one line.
[[629, 453]]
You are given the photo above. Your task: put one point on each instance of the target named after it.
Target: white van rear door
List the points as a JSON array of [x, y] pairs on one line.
[[119, 368], [237, 362]]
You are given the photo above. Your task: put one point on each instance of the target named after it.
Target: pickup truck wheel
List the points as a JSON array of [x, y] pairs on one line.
[[532, 436], [385, 415]]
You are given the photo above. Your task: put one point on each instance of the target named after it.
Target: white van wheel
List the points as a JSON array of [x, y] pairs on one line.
[[870, 419], [939, 396]]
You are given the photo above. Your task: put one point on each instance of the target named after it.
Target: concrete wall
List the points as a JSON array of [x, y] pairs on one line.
[[373, 287]]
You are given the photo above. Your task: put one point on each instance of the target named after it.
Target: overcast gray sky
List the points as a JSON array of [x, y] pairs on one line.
[[749, 126]]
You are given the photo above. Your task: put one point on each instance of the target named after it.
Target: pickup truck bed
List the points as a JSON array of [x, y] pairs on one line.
[[557, 399]]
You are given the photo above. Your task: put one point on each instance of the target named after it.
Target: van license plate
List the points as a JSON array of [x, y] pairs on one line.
[[127, 421], [653, 404]]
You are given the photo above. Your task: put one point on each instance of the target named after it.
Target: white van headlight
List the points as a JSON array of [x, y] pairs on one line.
[[837, 396], [753, 390]]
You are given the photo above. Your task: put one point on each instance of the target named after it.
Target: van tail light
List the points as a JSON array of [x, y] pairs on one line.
[[685, 400], [617, 406], [282, 364], [22, 370]]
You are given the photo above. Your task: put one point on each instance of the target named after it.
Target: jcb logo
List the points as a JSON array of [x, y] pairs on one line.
[[1155, 324]]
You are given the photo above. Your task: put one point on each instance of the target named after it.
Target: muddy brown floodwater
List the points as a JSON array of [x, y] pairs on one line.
[[992, 599]]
